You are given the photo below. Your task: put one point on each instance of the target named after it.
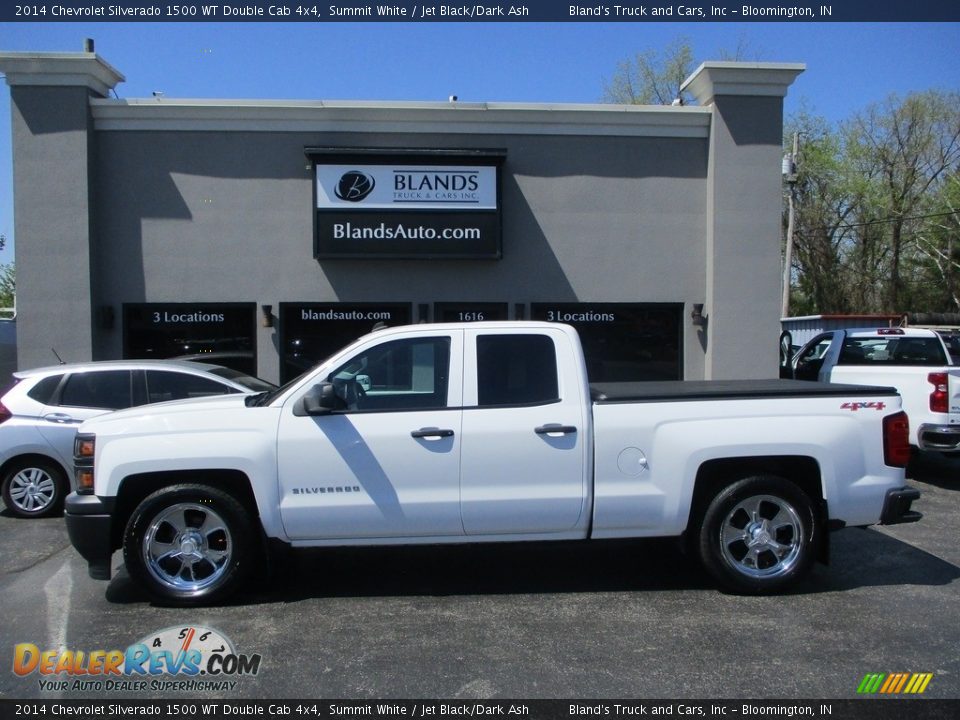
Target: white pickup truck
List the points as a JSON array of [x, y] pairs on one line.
[[915, 361], [479, 433]]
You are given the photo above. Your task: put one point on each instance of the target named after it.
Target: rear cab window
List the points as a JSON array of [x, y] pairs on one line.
[[892, 350], [516, 370]]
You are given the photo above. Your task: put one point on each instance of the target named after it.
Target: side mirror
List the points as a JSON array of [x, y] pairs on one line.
[[321, 399]]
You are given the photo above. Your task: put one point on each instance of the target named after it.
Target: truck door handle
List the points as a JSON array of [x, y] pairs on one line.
[[555, 429], [432, 433], [59, 418]]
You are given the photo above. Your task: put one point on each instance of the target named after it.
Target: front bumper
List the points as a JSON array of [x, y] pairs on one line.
[[942, 438], [896, 507], [89, 525]]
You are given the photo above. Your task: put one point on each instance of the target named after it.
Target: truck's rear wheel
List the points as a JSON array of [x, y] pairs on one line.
[[189, 544], [759, 535]]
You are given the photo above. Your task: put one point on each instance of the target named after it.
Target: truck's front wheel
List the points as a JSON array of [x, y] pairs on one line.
[[188, 544], [759, 535]]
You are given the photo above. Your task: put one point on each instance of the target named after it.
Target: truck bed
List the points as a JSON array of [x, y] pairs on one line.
[[634, 392]]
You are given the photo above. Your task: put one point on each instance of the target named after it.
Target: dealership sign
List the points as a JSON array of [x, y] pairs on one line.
[[406, 187], [407, 210]]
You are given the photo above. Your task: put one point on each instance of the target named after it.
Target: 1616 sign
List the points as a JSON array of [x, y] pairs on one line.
[[407, 210]]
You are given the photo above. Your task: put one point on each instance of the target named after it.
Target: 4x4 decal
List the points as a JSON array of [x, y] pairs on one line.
[[854, 406]]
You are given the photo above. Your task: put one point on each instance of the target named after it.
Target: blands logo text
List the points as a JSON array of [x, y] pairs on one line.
[[436, 186], [407, 187]]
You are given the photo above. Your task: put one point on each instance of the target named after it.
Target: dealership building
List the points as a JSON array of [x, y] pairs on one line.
[[268, 233]]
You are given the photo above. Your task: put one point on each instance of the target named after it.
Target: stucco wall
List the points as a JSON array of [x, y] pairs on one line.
[[207, 201]]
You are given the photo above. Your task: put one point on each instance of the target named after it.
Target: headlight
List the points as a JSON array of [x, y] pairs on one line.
[[84, 450]]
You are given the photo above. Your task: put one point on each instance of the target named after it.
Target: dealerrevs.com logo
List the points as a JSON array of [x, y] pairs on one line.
[[354, 186], [174, 659]]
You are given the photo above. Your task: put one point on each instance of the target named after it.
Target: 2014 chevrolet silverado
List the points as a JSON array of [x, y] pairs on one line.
[[484, 432]]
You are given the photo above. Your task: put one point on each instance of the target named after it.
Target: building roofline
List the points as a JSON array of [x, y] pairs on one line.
[[71, 69], [363, 116], [761, 79]]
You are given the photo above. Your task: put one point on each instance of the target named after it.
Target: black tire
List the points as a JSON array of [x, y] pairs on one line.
[[759, 535], [189, 545], [34, 487]]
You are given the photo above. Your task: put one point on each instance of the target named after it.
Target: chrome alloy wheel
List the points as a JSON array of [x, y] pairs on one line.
[[32, 490], [187, 547], [762, 537]]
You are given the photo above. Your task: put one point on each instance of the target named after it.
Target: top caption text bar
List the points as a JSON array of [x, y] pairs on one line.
[[531, 11]]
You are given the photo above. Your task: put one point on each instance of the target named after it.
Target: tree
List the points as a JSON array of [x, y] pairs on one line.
[[905, 150], [877, 198], [822, 216], [654, 77], [938, 246], [8, 286]]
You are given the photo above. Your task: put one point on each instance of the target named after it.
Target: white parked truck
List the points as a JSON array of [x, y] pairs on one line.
[[915, 361], [484, 432]]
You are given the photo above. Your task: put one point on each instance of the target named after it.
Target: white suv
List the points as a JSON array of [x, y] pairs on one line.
[[40, 414]]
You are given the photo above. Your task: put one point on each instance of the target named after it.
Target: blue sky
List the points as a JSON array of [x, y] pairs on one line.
[[849, 65]]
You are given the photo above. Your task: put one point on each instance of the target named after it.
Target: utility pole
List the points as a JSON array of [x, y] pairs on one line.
[[790, 175]]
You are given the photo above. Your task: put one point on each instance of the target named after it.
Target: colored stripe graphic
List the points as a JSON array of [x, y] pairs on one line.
[[919, 683], [894, 683], [870, 683]]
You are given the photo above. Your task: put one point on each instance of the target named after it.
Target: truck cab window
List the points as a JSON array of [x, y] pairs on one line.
[[516, 370], [399, 375]]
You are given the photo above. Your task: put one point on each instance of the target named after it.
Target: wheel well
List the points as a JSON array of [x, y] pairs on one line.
[[715, 475], [135, 488]]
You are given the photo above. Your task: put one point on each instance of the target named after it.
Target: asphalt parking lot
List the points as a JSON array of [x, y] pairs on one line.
[[619, 620]]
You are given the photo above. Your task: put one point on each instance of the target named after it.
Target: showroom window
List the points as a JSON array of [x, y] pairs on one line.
[[217, 333], [624, 342], [458, 312], [312, 332]]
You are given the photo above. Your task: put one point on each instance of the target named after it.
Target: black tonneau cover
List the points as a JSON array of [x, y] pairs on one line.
[[621, 392]]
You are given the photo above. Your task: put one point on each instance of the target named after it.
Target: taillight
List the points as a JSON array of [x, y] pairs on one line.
[[939, 398], [5, 413], [896, 440]]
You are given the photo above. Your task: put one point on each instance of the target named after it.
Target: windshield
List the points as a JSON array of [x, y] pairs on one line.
[[265, 398], [248, 381]]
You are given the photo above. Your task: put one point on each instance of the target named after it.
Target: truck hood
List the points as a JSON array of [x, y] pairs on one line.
[[167, 414]]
